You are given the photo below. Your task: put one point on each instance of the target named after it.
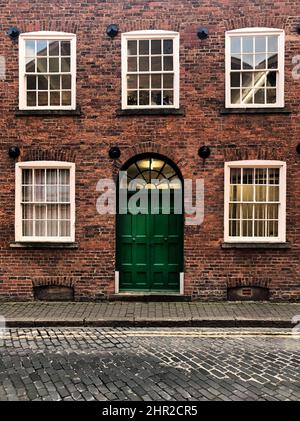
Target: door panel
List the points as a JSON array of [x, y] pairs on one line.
[[150, 251]]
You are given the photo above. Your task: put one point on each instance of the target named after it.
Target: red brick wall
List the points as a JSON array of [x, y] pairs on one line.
[[87, 139]]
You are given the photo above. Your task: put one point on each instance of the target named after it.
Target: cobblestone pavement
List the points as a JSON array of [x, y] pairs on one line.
[[196, 314], [149, 364]]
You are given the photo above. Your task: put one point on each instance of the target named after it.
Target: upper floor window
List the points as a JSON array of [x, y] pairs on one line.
[[255, 201], [150, 69], [47, 71], [255, 68], [45, 201]]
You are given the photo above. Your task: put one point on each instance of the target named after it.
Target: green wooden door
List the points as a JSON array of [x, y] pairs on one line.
[[150, 251]]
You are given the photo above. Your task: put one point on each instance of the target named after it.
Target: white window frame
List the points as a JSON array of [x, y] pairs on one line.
[[46, 35], [281, 52], [282, 198], [151, 35], [18, 200]]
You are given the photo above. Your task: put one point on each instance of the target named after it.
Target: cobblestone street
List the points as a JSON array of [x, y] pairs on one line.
[[149, 364]]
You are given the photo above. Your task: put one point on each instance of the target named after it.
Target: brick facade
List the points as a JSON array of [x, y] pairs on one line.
[[86, 139]]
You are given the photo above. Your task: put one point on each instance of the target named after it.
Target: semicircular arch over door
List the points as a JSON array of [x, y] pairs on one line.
[[150, 243]]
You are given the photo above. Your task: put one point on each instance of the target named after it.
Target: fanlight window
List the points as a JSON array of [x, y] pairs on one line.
[[151, 173]]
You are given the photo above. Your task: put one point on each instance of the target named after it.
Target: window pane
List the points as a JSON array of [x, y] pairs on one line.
[[235, 45], [271, 96], [31, 82], [144, 64], [64, 177], [27, 211], [235, 193], [51, 177], [271, 79], [272, 211], [41, 48], [54, 98], [40, 228], [248, 194], [272, 229], [259, 228], [43, 83], [168, 81], [65, 64], [144, 81], [30, 48], [260, 212], [248, 175], [260, 193], [31, 99], [132, 64], [55, 82], [54, 48], [51, 193], [66, 82], [132, 48], [168, 63], [156, 81], [26, 176], [144, 97], [64, 228], [260, 61], [40, 212], [274, 194], [260, 44], [65, 212], [65, 48], [247, 80], [235, 176], [66, 98], [259, 97], [168, 98], [52, 212], [42, 65], [168, 46], [156, 64], [144, 47], [247, 96], [39, 193], [273, 44], [64, 194], [247, 61], [261, 175], [156, 98], [52, 228], [132, 81], [27, 194], [274, 176], [132, 97], [28, 228], [156, 47], [30, 65], [247, 44], [39, 176], [235, 96], [234, 228], [247, 228], [272, 61], [234, 211], [235, 80], [247, 211], [42, 98], [236, 62]]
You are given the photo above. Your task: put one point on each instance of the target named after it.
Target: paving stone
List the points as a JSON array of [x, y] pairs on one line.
[[148, 364]]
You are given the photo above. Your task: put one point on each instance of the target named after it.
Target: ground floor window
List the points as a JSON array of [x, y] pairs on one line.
[[255, 194], [45, 201]]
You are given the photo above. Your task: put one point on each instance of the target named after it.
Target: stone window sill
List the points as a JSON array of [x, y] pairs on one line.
[[151, 111], [285, 110], [54, 113], [286, 245], [44, 245]]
